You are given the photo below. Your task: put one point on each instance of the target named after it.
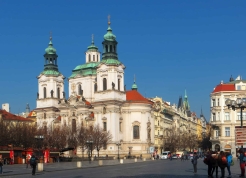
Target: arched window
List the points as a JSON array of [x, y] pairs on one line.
[[104, 126], [106, 47], [136, 132], [158, 132], [114, 49], [73, 125], [158, 123], [80, 90], [89, 58], [44, 92], [93, 57], [104, 84], [44, 115], [58, 93], [97, 58], [111, 49], [51, 61], [118, 84], [47, 60]]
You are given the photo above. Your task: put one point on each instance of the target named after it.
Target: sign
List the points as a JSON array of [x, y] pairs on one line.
[[240, 135], [151, 149]]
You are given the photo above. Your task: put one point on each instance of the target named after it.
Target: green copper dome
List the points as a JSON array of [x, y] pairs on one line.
[[134, 86], [50, 49], [109, 36], [92, 47]]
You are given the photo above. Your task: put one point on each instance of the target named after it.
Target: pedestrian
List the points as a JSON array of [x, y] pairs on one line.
[[214, 161], [33, 163], [171, 156], [242, 162], [208, 161], [194, 162], [222, 162], [1, 166], [229, 161]]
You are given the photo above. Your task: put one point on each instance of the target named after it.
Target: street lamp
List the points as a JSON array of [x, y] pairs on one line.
[[238, 104], [39, 139], [89, 143], [118, 144]]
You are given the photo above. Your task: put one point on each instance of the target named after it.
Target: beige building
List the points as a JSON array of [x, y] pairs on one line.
[[224, 120]]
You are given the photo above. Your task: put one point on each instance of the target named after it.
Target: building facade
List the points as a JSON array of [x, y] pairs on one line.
[[97, 96], [223, 120]]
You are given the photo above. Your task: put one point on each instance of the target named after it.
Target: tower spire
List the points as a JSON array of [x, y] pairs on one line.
[[50, 35], [92, 39], [109, 20]]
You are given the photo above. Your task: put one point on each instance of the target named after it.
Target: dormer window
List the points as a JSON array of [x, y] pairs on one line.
[[239, 87]]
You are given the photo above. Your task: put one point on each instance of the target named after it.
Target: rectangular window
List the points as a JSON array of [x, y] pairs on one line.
[[120, 126], [227, 131], [216, 133], [243, 87], [239, 116], [239, 87], [73, 125], [218, 102], [218, 118], [213, 102], [227, 116], [104, 126], [214, 117]]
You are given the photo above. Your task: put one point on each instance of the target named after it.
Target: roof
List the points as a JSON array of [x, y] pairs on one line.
[[11, 117], [135, 97], [51, 72], [224, 87]]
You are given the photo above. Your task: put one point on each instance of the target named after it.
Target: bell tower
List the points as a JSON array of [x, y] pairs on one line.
[[50, 80], [110, 71]]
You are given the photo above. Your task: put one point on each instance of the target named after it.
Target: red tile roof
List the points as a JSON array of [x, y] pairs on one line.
[[8, 116], [135, 97], [224, 87]]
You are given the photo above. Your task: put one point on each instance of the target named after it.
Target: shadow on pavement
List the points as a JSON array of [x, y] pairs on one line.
[[163, 175]]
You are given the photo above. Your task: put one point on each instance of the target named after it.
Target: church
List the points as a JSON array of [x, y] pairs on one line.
[[97, 95]]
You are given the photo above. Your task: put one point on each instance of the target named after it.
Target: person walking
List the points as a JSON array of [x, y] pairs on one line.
[[242, 163], [222, 162], [33, 163], [1, 166], [214, 161], [194, 162], [229, 161]]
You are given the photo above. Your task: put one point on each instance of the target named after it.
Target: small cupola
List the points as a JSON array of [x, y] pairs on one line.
[[231, 79], [134, 85], [92, 54]]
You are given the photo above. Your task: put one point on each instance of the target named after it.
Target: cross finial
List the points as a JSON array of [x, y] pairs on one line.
[[109, 20], [50, 35], [134, 78]]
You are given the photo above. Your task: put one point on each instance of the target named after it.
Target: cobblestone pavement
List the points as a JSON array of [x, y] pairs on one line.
[[113, 169]]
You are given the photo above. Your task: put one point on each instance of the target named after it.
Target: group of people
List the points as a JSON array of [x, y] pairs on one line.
[[223, 160], [216, 160]]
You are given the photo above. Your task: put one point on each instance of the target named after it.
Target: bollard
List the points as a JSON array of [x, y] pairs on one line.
[[79, 163], [152, 158], [40, 166], [121, 161], [135, 160], [100, 162], [144, 159]]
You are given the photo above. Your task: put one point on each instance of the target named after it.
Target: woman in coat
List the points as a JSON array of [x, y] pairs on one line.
[[222, 162]]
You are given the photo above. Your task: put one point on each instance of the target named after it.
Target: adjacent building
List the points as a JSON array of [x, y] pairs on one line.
[[223, 120]]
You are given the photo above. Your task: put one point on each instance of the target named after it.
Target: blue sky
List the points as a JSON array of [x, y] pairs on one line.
[[169, 45]]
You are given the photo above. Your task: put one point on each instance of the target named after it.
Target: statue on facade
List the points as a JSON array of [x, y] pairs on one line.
[[51, 93], [64, 94], [37, 95], [113, 85], [124, 87]]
